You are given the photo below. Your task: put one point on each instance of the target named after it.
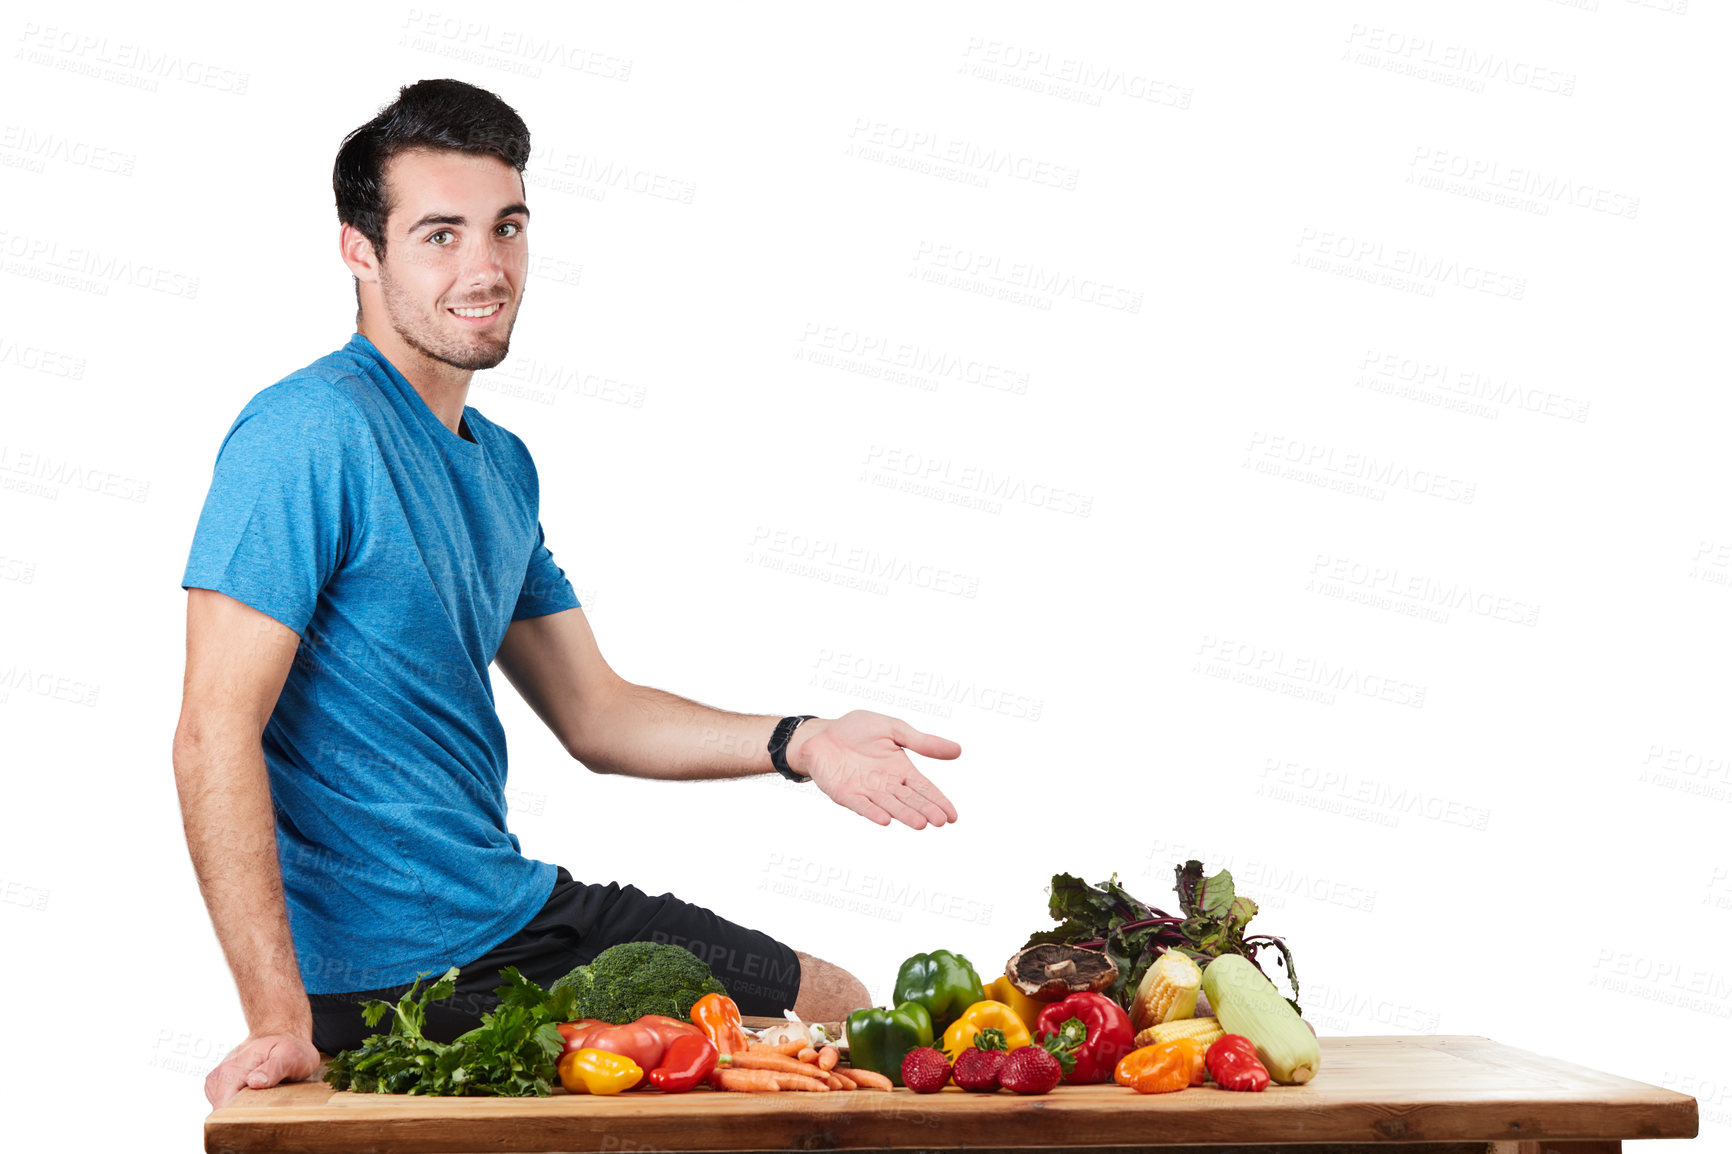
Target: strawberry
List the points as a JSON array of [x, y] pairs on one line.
[[977, 1069], [925, 1070], [1030, 1070]]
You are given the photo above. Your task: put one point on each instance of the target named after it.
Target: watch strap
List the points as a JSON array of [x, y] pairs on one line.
[[779, 738]]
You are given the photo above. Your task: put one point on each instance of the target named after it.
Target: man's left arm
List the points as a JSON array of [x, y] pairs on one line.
[[614, 726]]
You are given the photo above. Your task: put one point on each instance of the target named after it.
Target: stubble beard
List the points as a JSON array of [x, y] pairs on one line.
[[422, 333]]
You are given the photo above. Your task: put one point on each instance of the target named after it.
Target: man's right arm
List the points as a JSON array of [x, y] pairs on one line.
[[237, 660]]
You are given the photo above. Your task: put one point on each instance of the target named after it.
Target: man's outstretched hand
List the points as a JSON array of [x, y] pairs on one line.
[[858, 760], [259, 1063]]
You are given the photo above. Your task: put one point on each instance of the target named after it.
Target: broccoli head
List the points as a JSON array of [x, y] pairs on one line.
[[627, 981]]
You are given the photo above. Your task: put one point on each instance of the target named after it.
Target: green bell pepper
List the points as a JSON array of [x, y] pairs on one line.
[[943, 982], [879, 1039]]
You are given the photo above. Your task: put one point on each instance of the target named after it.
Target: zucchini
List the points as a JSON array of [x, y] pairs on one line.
[[1247, 1003]]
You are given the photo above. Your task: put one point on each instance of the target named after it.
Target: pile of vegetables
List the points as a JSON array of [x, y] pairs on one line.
[[516, 1049], [640, 1015], [1134, 934], [1112, 994]]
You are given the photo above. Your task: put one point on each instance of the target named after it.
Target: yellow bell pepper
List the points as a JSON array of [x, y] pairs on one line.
[[983, 1016], [1001, 989], [591, 1071]]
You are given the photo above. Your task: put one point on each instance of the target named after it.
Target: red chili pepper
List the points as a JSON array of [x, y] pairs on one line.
[[1110, 1036], [1233, 1064], [689, 1060]]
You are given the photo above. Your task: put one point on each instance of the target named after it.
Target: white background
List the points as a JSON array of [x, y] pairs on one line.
[[1338, 503]]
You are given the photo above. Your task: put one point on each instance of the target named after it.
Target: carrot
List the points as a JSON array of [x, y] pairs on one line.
[[797, 1082], [836, 1081], [725, 1079], [807, 1055], [788, 1049], [847, 1082], [827, 1058], [777, 1062], [868, 1079]]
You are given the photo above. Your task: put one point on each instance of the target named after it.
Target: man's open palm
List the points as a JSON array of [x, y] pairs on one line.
[[858, 761]]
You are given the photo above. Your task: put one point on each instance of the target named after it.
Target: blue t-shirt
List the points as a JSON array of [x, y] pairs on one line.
[[399, 552]]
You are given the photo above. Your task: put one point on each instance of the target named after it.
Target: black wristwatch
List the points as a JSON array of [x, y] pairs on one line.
[[779, 739]]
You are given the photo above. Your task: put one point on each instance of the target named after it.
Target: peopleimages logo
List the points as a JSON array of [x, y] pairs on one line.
[[1370, 259], [987, 270], [40, 259], [43, 474], [806, 555], [853, 672], [135, 65]]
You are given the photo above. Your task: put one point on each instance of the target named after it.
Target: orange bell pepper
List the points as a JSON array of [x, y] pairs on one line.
[[719, 1018], [1163, 1067]]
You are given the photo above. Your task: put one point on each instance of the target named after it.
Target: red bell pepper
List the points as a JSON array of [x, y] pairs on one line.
[[1233, 1064], [1110, 1036], [688, 1061]]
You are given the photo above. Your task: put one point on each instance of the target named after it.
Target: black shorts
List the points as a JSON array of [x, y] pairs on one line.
[[578, 922]]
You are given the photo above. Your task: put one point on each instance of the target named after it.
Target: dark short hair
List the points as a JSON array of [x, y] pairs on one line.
[[443, 115]]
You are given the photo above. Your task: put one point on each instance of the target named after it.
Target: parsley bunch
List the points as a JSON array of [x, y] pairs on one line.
[[513, 1053]]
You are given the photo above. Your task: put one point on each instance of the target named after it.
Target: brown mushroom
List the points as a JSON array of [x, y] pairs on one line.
[[1050, 971]]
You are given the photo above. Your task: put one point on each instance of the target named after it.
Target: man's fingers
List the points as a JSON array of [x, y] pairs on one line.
[[924, 785], [259, 1064], [281, 1064], [924, 744], [911, 797], [289, 1060], [222, 1084], [865, 807], [273, 1068], [234, 1075], [903, 812], [933, 811]]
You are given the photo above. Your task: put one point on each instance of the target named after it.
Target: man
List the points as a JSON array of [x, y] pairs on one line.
[[369, 546]]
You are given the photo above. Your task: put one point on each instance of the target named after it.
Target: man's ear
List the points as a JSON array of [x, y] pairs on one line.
[[357, 252]]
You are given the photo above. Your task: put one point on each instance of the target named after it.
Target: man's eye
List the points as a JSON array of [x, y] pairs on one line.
[[445, 232], [513, 227]]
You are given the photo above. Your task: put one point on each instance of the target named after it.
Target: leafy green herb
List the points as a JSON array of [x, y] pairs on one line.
[[1133, 934], [513, 1053]]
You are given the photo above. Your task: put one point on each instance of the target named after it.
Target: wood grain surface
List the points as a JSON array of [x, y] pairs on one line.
[[1460, 1093]]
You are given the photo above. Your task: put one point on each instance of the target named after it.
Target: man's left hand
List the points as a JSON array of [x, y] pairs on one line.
[[858, 761]]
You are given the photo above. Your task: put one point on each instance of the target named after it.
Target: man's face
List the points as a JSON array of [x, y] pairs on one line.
[[456, 239]]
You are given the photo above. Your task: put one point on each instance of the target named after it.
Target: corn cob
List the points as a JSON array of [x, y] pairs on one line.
[[1204, 1030], [1167, 992], [1248, 1003]]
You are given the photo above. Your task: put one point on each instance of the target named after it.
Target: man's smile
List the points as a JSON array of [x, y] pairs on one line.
[[478, 316]]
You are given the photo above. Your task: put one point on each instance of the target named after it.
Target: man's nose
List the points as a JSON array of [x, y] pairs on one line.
[[487, 266]]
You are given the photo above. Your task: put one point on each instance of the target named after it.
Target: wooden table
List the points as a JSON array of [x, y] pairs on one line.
[[1406, 1095]]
